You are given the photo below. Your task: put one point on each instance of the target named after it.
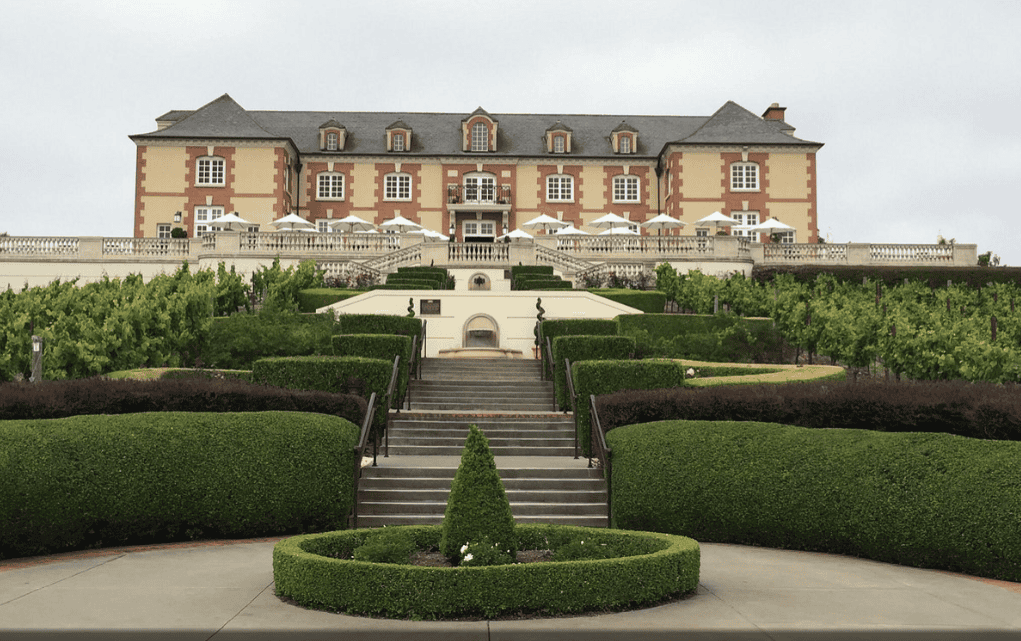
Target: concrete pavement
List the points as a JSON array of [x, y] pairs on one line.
[[224, 590]]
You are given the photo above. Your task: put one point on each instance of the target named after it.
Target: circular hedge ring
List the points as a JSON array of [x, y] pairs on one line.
[[315, 571]]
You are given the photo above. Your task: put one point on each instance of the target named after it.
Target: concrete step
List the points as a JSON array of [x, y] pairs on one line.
[[480, 405], [538, 470], [366, 508], [560, 497], [566, 449], [387, 520], [509, 484]]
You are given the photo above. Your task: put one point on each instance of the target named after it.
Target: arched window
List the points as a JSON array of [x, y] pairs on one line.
[[480, 137]]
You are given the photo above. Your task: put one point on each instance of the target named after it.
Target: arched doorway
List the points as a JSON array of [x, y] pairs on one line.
[[481, 331]]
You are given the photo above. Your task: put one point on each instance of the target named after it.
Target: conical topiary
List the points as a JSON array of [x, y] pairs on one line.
[[477, 508]]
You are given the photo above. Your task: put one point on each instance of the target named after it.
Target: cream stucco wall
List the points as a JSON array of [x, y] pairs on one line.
[[430, 193], [698, 211], [160, 209], [787, 175], [254, 170], [165, 170], [592, 194], [526, 192], [362, 190], [256, 210], [795, 215], [702, 175]]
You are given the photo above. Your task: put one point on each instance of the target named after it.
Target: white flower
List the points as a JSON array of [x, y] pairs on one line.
[[468, 557], [690, 372], [464, 547]]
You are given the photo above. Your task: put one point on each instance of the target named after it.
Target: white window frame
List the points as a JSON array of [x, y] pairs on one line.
[[204, 217], [745, 218], [397, 186], [332, 141], [210, 171], [476, 228], [397, 141], [480, 137], [560, 188], [744, 176], [624, 144], [786, 237], [330, 186], [559, 144], [323, 226], [479, 188], [163, 230], [625, 189]]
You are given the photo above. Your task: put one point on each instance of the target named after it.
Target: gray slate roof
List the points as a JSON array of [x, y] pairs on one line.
[[439, 134]]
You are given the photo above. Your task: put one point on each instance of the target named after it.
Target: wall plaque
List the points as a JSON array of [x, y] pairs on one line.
[[428, 306]]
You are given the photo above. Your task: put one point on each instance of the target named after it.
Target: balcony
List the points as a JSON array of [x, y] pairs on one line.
[[479, 198]]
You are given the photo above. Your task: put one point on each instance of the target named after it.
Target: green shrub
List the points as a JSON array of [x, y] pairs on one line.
[[379, 324], [650, 302], [484, 552], [575, 327], [585, 348], [381, 346], [309, 300], [94, 481], [577, 550], [720, 338], [651, 568], [477, 507], [388, 545], [237, 341], [926, 500], [604, 377], [521, 270]]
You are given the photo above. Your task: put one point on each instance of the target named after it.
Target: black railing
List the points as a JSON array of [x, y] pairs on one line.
[[574, 406], [367, 432], [390, 390], [406, 403], [601, 452]]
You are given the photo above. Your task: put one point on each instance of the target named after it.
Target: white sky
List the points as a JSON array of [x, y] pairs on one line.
[[916, 102]]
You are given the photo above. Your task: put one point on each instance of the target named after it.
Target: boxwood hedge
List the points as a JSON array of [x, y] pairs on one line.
[[650, 302], [585, 348], [379, 324], [927, 500], [603, 377], [91, 481], [309, 300], [313, 570], [381, 346]]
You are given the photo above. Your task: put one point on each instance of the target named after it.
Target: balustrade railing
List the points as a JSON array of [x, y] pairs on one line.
[[347, 269], [483, 194], [805, 252], [147, 247], [563, 260], [912, 253], [39, 245], [474, 253], [390, 262]]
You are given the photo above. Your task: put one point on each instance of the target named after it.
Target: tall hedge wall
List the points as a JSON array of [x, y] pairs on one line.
[[235, 342], [381, 324], [585, 348], [520, 270], [382, 346], [928, 500], [575, 327], [92, 481], [309, 300], [603, 377], [650, 302]]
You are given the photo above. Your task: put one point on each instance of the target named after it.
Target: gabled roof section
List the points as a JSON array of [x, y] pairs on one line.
[[400, 124], [559, 126], [623, 126], [221, 118], [331, 124], [479, 112], [734, 125]]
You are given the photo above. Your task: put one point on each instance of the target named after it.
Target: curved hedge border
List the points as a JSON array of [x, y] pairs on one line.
[[309, 300], [927, 500], [787, 373], [94, 481], [663, 565]]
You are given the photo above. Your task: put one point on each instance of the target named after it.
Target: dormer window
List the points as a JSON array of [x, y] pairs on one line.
[[478, 132], [332, 136], [398, 137], [558, 139], [624, 139]]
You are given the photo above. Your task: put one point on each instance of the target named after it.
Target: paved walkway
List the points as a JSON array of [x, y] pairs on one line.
[[224, 590]]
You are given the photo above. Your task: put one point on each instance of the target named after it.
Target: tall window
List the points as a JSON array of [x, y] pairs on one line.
[[479, 189], [398, 142], [331, 186], [331, 141], [745, 219], [625, 144], [560, 188], [558, 144], [625, 189], [204, 216], [480, 137], [744, 176], [210, 171], [397, 187]]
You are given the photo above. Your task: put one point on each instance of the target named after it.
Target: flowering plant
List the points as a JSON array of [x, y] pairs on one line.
[[484, 552]]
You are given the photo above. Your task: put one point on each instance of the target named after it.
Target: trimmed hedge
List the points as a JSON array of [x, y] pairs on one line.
[[408, 285], [575, 327], [926, 500], [975, 410], [603, 377], [379, 324], [721, 338], [521, 270], [933, 276], [650, 302], [60, 399], [309, 300], [585, 348], [381, 346], [313, 571], [94, 481], [235, 342]]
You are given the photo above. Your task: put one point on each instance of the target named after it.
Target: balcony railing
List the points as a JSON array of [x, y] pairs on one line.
[[481, 195], [476, 253]]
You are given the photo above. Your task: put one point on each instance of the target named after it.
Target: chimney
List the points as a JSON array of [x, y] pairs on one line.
[[775, 112]]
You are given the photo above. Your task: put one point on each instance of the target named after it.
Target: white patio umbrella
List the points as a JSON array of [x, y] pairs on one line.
[[771, 226], [716, 219], [619, 231], [428, 233], [611, 221], [517, 233], [570, 230], [351, 223], [545, 222], [400, 224], [231, 222], [662, 222], [292, 222], [367, 231]]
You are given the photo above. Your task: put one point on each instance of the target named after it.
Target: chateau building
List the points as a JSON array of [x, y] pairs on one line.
[[476, 175]]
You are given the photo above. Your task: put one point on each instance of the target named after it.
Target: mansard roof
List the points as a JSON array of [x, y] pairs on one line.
[[440, 134]]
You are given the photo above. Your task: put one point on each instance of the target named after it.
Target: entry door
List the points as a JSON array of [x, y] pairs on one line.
[[478, 231]]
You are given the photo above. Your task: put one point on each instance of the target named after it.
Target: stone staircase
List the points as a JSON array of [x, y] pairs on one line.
[[533, 447]]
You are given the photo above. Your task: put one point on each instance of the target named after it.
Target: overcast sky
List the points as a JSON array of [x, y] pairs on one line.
[[916, 102]]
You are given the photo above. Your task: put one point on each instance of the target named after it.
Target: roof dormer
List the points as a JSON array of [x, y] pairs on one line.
[[332, 136], [398, 137], [478, 132], [624, 138], [558, 139]]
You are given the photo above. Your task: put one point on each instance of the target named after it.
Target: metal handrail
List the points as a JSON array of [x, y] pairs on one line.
[[363, 442], [549, 360], [411, 372], [574, 405], [598, 447], [389, 404]]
